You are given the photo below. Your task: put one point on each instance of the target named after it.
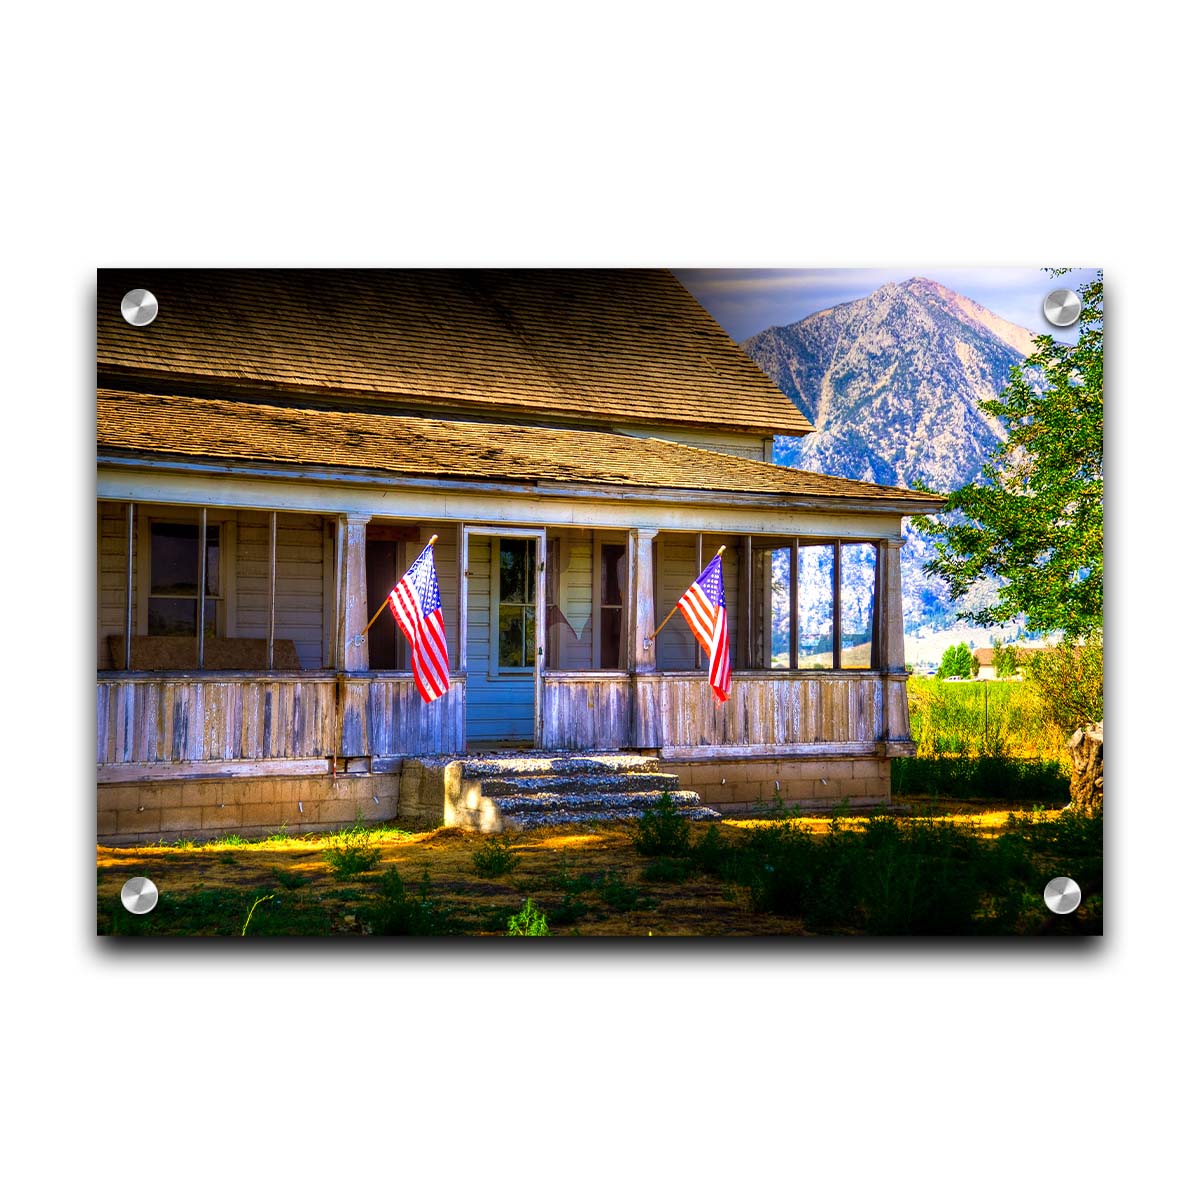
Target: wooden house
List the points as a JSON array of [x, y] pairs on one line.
[[581, 441]]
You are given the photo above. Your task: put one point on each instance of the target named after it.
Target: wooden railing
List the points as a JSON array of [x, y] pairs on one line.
[[765, 709], [247, 717]]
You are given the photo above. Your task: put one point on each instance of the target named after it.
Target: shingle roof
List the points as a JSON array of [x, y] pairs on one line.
[[595, 346], [422, 447]]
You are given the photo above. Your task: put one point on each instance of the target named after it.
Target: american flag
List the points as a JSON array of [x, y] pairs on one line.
[[703, 607], [416, 603]]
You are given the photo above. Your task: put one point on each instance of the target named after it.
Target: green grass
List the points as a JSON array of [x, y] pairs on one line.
[[395, 911], [494, 858], [217, 912], [1024, 782], [351, 853], [529, 922], [662, 830], [950, 719], [913, 876]]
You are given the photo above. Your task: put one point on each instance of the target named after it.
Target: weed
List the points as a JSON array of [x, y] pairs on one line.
[[250, 914], [352, 853], [662, 830], [229, 839], [668, 870], [529, 922], [395, 912], [280, 835], [618, 894], [495, 857], [289, 879]]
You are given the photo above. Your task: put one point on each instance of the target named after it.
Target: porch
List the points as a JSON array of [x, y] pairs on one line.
[[246, 660]]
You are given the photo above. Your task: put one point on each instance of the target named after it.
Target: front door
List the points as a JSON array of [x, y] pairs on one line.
[[505, 582]]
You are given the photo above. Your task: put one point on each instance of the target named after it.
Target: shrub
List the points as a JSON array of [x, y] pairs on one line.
[[529, 922], [662, 830], [1069, 681], [395, 913], [495, 857], [352, 853], [668, 870]]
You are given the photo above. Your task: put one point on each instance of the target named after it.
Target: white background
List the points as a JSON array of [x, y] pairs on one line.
[[659, 135]]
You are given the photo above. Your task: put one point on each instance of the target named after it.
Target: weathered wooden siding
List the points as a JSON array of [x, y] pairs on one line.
[[299, 581], [743, 445], [764, 709], [230, 718], [149, 719], [500, 707], [111, 578], [587, 712], [385, 716], [675, 647], [570, 640]]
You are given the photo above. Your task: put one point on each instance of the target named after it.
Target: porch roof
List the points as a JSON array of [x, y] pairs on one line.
[[597, 347], [423, 448]]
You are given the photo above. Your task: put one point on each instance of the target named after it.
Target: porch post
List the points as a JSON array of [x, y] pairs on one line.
[[891, 627], [642, 656], [643, 713], [352, 586], [891, 644]]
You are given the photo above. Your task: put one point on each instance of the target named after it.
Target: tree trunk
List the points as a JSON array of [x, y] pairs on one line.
[[1087, 767]]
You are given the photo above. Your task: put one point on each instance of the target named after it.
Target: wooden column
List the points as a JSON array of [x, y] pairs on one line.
[[891, 643], [642, 657], [643, 714], [352, 588], [891, 608]]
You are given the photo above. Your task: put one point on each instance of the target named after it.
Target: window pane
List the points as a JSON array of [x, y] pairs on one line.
[[612, 574], [781, 607], [814, 620], [173, 559], [177, 618], [530, 635], [514, 571], [610, 637], [858, 605], [511, 651], [173, 555]]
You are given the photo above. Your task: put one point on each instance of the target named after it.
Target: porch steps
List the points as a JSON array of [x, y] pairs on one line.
[[504, 791]]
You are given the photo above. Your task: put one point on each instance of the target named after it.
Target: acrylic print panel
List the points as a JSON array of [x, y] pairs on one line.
[[714, 606]]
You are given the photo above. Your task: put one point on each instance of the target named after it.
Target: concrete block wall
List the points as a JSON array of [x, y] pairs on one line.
[[743, 785], [201, 809]]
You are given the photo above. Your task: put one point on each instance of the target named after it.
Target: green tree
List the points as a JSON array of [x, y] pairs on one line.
[[1006, 661], [957, 662], [1036, 520]]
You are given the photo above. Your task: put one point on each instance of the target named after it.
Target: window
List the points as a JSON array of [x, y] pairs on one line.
[[612, 607], [175, 578], [815, 604], [517, 610]]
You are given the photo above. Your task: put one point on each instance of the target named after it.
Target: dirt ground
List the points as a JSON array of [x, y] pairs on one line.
[[589, 880]]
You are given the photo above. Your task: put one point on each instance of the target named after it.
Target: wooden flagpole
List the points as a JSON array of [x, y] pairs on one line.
[[675, 609], [384, 605]]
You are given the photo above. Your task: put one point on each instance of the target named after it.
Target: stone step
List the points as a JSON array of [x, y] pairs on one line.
[[554, 808], [574, 816], [591, 801], [486, 766], [623, 782]]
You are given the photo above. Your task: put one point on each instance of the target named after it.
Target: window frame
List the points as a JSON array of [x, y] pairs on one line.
[[225, 522], [757, 605], [495, 669]]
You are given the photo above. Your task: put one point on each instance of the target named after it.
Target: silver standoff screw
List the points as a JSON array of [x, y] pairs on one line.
[[139, 895], [139, 307], [1062, 895], [1062, 307]]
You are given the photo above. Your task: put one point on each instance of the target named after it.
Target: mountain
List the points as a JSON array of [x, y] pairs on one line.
[[892, 384]]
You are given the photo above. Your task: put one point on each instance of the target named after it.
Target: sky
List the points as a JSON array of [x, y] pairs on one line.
[[747, 301]]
